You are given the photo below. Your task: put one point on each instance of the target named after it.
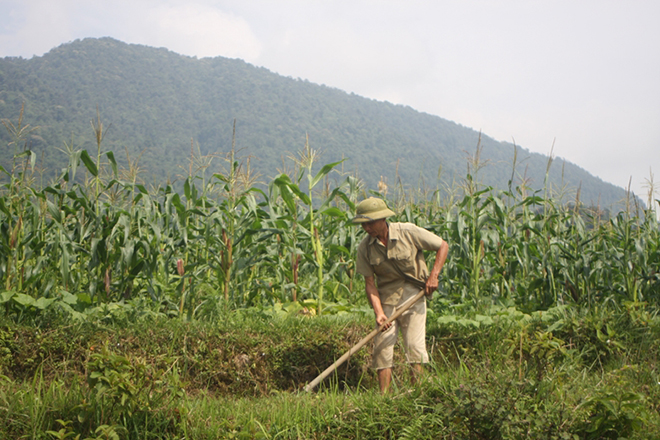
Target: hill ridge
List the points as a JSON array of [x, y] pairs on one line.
[[157, 101]]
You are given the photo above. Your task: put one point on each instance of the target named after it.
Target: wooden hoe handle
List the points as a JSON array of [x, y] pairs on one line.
[[310, 386]]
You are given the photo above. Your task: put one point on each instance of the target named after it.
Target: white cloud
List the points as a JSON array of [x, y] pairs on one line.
[[194, 28], [33, 27], [200, 30]]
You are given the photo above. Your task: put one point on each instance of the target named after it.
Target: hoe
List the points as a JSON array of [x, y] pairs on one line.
[[310, 386]]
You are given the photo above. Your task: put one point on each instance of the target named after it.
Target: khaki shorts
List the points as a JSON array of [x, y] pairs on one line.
[[412, 325]]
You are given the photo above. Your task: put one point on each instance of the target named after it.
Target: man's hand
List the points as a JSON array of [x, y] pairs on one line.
[[431, 286], [381, 319], [374, 300], [440, 257]]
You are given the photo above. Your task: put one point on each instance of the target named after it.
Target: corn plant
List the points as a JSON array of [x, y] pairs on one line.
[[96, 235], [289, 189]]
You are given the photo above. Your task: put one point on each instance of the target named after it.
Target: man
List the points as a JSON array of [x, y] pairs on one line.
[[392, 253]]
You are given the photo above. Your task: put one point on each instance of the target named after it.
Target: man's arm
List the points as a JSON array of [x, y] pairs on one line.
[[440, 257], [374, 300]]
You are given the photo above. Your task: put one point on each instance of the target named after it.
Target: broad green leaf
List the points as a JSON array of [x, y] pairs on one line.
[[127, 253], [324, 171], [69, 298], [54, 211], [51, 190], [135, 270], [84, 298], [186, 189], [73, 166], [112, 183], [283, 183], [301, 195], [23, 299], [89, 164], [6, 296], [484, 319], [113, 163], [42, 302], [339, 249], [176, 201], [336, 192], [468, 322], [533, 200], [448, 319], [64, 264], [3, 207], [33, 159], [334, 212], [221, 177]]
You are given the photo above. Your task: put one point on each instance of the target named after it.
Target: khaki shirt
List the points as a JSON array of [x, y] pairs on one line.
[[405, 244]]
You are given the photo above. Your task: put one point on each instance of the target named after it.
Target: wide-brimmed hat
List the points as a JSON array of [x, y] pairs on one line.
[[371, 209]]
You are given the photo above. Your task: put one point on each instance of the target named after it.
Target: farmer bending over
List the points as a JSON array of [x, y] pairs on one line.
[[392, 253]]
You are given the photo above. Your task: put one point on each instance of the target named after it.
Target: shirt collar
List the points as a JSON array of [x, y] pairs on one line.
[[392, 234]]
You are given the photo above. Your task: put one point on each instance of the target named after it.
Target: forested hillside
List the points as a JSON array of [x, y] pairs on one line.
[[155, 104]]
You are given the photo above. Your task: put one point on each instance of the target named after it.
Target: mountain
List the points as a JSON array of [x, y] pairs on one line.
[[155, 104]]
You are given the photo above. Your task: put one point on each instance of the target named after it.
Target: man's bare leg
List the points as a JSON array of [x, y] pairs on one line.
[[418, 372], [384, 379]]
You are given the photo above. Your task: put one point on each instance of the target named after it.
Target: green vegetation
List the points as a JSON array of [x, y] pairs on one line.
[[564, 373], [157, 103], [135, 311]]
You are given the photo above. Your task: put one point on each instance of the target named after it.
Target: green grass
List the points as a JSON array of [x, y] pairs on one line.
[[512, 376]]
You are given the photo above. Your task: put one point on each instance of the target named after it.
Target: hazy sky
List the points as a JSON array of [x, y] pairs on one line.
[[582, 74]]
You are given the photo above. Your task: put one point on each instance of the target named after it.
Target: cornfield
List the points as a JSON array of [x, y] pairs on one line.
[[97, 238]]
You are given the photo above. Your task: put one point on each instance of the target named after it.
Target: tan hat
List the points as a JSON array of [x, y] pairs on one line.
[[371, 209]]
